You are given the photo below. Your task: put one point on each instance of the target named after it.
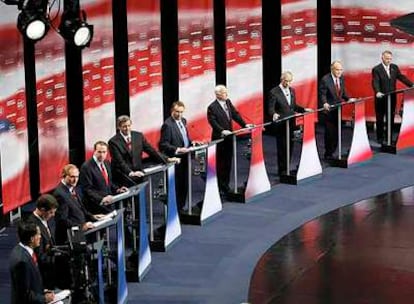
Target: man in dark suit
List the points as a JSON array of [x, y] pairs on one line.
[[96, 180], [126, 149], [332, 92], [384, 81], [220, 114], [26, 281], [71, 211], [175, 141], [46, 206], [282, 103]]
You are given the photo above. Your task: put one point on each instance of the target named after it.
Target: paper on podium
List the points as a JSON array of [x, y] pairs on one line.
[[60, 296], [108, 217]]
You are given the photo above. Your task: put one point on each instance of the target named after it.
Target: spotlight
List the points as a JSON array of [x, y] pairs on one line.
[[75, 30], [33, 24]]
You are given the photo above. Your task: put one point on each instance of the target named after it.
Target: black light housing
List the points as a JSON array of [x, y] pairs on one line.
[[33, 21], [75, 30]]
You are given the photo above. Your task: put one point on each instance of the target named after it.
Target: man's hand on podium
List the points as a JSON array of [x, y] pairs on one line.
[[308, 110], [379, 95], [250, 126], [136, 173], [181, 150], [88, 225], [225, 133], [326, 106], [107, 200], [122, 189], [353, 99], [275, 117], [174, 160]]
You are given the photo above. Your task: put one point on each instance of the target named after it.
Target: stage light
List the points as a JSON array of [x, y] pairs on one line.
[[34, 25], [75, 30]]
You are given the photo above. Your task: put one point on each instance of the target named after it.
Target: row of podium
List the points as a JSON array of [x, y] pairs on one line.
[[132, 219]]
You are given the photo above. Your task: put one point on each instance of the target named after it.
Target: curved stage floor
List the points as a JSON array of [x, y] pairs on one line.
[[362, 253]]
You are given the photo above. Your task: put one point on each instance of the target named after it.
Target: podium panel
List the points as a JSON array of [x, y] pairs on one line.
[[406, 135], [309, 164], [258, 181], [360, 148]]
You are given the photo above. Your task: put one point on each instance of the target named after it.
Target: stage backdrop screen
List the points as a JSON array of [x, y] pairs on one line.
[[299, 48], [98, 75], [196, 63], [244, 58], [14, 153], [145, 70], [361, 31], [51, 109]]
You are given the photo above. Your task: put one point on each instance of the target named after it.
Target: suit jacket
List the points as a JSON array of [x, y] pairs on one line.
[[93, 184], [278, 103], [46, 242], [382, 83], [71, 212], [327, 91], [218, 119], [171, 137], [26, 281], [124, 160]]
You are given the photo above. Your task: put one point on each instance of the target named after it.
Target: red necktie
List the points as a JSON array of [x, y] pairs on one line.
[[104, 173], [128, 141], [34, 258], [338, 88]]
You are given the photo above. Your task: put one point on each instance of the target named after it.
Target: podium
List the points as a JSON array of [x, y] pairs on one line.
[[406, 135], [257, 180], [140, 259], [360, 149], [211, 202], [115, 220], [171, 230], [309, 162]]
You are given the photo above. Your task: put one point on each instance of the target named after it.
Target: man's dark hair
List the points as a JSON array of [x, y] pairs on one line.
[[25, 231], [46, 202]]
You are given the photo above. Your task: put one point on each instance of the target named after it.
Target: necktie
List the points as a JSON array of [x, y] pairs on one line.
[[183, 134], [34, 258], [128, 141], [287, 94], [388, 71], [104, 174], [338, 88], [226, 109]]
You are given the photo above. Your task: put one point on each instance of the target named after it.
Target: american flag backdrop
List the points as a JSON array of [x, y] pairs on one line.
[[361, 30], [14, 154], [299, 48], [145, 68], [196, 63]]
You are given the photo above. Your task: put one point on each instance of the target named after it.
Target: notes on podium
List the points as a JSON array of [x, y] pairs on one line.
[[106, 218], [61, 296]]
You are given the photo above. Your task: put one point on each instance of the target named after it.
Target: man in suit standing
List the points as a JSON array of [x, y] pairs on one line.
[[220, 114], [384, 81], [26, 281], [126, 148], [96, 180], [71, 211], [332, 92], [174, 141], [282, 103], [46, 206]]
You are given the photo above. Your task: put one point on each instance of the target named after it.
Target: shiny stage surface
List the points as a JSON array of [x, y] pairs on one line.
[[359, 254]]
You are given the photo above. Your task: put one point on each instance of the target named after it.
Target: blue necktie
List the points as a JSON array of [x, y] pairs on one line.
[[183, 134]]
